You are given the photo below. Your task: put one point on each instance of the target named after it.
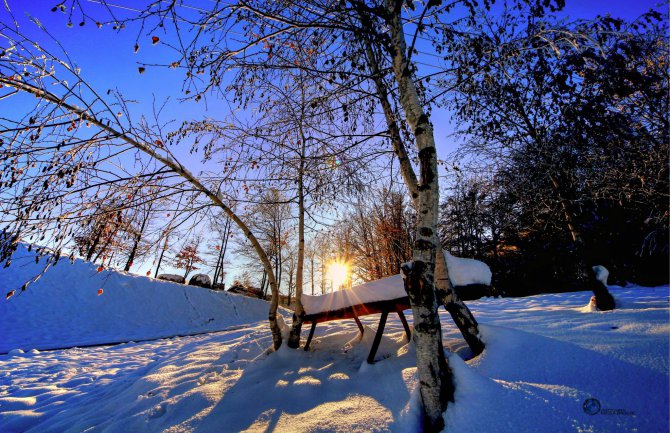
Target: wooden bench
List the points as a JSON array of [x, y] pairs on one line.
[[384, 296], [387, 295]]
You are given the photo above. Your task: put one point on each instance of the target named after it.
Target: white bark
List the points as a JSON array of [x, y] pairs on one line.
[[459, 312], [436, 386]]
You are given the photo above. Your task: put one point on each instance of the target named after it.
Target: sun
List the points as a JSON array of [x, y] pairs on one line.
[[338, 274]]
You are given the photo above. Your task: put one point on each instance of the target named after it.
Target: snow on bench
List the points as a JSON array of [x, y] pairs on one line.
[[462, 272], [383, 296], [384, 289], [380, 296]]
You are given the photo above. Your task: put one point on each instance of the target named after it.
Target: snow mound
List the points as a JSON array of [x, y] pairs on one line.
[[463, 272], [65, 308], [601, 274]]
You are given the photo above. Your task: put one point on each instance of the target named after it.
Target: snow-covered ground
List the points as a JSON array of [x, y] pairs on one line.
[[545, 356], [78, 305]]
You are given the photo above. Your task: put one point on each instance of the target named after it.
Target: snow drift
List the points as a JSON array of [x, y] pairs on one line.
[[66, 308]]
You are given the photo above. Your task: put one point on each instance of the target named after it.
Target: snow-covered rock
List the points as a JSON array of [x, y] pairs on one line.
[[200, 280], [172, 278]]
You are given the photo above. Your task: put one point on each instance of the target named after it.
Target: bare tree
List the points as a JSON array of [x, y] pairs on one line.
[[188, 257], [55, 166], [220, 247]]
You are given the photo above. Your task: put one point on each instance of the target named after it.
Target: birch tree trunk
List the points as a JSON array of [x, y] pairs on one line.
[[436, 385], [460, 313], [299, 311]]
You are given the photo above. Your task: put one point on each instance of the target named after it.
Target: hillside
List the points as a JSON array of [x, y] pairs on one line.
[[64, 308]]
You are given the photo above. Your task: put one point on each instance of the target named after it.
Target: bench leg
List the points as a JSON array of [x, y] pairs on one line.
[[378, 337], [360, 325], [405, 325], [311, 334]]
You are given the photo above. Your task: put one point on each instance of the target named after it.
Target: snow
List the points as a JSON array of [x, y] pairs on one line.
[[601, 274], [379, 290], [462, 272], [63, 308], [591, 306], [544, 358]]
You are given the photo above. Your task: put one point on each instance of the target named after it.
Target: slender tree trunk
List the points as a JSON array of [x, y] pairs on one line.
[[224, 249], [217, 268], [460, 313], [436, 384], [280, 254], [299, 311], [104, 248], [567, 213], [94, 245], [136, 243], [160, 258], [167, 236], [133, 251], [218, 271], [323, 277], [311, 268], [263, 282]]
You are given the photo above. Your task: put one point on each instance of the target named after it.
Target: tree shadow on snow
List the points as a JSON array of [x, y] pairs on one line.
[[330, 388]]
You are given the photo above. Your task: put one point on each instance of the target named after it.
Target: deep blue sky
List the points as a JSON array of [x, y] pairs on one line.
[[107, 60]]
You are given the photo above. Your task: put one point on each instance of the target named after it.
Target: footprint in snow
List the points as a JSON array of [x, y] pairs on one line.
[[158, 411], [211, 377]]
